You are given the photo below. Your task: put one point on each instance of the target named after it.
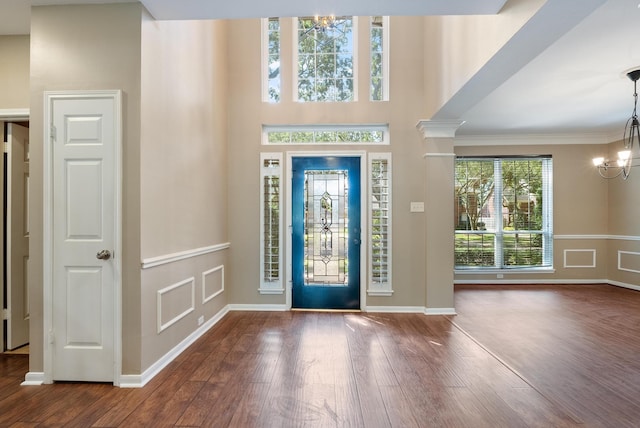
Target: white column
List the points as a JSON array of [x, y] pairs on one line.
[[438, 137]]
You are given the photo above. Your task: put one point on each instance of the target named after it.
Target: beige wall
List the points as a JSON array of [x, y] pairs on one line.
[[623, 227], [14, 72], [82, 48], [458, 46], [183, 171], [247, 114]]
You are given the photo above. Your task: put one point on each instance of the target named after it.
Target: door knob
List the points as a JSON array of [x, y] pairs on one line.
[[103, 255]]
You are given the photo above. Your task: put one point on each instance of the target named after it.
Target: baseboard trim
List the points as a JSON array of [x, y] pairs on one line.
[[440, 311], [258, 308], [138, 381], [396, 309], [624, 285], [530, 281], [33, 379]]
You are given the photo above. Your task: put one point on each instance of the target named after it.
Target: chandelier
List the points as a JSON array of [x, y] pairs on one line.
[[328, 26], [623, 164]]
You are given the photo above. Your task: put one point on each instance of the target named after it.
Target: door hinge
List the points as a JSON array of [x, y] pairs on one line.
[[6, 314], [6, 147], [52, 336], [54, 135]]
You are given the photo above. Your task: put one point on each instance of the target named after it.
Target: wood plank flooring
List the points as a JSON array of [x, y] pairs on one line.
[[578, 345], [559, 356]]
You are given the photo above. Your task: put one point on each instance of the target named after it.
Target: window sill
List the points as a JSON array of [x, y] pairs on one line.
[[271, 290], [483, 271], [382, 293]]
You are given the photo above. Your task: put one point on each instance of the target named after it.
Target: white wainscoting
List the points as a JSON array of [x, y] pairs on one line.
[[172, 289], [567, 258], [212, 283], [627, 255], [174, 257]]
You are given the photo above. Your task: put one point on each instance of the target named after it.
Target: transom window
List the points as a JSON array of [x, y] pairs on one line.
[[326, 134], [503, 212]]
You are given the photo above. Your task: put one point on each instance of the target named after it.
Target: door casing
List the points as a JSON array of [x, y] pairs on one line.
[[50, 97], [363, 217]]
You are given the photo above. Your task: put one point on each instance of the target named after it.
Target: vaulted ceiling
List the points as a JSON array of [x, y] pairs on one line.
[[564, 72]]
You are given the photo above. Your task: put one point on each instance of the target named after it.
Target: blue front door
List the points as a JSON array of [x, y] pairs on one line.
[[326, 232]]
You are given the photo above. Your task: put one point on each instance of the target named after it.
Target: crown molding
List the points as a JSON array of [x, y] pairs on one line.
[[438, 128]]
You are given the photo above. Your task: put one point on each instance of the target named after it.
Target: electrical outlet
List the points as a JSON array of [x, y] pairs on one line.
[[500, 276], [200, 320]]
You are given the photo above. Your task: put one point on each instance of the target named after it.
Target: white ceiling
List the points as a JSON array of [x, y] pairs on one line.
[[563, 72]]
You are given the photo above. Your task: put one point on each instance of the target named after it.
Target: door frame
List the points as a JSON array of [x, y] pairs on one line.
[[47, 236], [6, 115], [363, 216]]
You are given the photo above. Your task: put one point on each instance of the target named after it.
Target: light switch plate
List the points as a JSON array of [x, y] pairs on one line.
[[416, 207]]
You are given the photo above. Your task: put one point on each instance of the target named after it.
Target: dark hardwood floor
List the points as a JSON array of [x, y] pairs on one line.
[[578, 345], [522, 356]]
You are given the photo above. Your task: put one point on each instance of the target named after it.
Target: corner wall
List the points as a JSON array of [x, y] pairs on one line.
[[83, 47], [183, 175]]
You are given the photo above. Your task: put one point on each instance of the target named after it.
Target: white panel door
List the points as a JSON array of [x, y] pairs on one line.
[[83, 158], [17, 235]]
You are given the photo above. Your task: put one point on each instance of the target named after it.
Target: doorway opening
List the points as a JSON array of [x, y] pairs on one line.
[[15, 236]]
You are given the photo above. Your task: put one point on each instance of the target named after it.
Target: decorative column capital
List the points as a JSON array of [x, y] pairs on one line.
[[439, 128]]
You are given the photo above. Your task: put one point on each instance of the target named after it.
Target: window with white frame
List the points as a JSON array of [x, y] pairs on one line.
[[271, 277], [380, 224], [271, 60], [325, 59], [379, 58], [503, 211], [326, 134]]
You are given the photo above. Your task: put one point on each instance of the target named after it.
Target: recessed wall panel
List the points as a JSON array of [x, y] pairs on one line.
[[212, 283]]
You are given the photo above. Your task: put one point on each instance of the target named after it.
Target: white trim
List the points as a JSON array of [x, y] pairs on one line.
[[593, 259], [47, 232], [258, 308], [17, 114], [624, 285], [612, 237], [566, 237], [533, 139], [205, 298], [174, 257], [271, 290], [138, 381], [438, 128], [620, 252], [396, 309], [161, 292], [440, 311], [33, 379], [381, 293], [439, 155], [624, 238], [483, 271], [533, 281], [364, 183]]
